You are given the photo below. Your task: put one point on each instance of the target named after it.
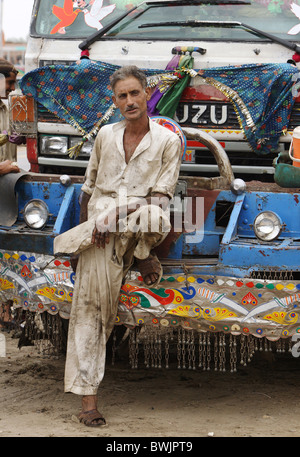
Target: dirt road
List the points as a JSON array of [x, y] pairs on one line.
[[259, 400]]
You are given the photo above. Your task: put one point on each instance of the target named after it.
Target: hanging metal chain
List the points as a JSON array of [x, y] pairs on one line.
[[200, 349], [179, 348], [146, 346], [204, 352], [193, 351], [158, 343], [233, 355], [222, 352], [216, 352], [208, 355], [183, 347], [167, 346]]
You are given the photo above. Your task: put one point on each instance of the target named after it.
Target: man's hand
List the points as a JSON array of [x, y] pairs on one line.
[[8, 167], [104, 226]]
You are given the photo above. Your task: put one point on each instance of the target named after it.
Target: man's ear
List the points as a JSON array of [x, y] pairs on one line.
[[114, 100], [148, 92]]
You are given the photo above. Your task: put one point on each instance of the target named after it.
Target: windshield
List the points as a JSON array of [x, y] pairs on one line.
[[168, 20]]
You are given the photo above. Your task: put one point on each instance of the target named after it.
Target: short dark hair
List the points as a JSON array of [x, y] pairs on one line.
[[6, 68], [126, 72]]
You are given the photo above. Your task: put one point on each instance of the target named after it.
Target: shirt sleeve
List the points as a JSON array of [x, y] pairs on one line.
[[168, 176], [92, 168]]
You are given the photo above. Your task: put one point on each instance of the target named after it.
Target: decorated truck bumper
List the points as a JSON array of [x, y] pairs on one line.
[[222, 277]]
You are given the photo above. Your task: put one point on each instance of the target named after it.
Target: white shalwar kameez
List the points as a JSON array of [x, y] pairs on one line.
[[153, 167]]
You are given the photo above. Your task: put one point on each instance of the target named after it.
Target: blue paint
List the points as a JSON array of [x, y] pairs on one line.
[[236, 250]]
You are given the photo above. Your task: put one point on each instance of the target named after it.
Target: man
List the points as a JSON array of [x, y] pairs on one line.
[[8, 149], [131, 176]]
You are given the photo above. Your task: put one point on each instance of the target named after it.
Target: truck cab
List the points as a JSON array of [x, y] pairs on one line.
[[150, 34]]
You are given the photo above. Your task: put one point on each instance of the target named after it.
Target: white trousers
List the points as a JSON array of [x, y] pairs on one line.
[[98, 281]]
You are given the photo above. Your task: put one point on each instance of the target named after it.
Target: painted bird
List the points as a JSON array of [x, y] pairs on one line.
[[97, 12], [66, 14], [296, 10]]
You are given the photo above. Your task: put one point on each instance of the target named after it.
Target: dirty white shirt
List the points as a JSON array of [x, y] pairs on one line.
[[153, 167], [8, 150]]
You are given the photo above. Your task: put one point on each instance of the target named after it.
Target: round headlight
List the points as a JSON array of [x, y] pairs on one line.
[[267, 226], [36, 214]]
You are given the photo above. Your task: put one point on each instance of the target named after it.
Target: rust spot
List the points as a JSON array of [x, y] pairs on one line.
[[296, 198], [262, 253]]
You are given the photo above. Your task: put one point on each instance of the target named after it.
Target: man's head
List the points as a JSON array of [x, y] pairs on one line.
[[8, 76], [129, 85]]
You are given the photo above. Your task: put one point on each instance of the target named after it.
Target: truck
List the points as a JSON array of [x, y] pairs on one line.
[[225, 78]]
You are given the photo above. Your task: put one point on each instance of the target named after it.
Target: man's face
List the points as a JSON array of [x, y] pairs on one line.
[[9, 85], [130, 97]]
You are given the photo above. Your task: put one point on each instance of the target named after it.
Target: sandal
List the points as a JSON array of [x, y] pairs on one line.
[[148, 267], [90, 418]]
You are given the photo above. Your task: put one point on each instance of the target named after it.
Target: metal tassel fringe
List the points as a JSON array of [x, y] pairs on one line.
[[188, 349], [45, 332], [75, 150]]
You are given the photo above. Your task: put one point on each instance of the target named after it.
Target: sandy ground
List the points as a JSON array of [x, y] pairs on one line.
[[259, 400]]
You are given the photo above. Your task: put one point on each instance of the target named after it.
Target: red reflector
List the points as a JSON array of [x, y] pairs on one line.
[[196, 144]]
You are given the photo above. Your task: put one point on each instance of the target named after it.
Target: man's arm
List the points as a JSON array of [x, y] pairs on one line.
[[8, 167], [85, 198]]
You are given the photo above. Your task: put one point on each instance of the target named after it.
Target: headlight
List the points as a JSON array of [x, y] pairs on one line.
[[56, 145], [267, 226], [36, 214]]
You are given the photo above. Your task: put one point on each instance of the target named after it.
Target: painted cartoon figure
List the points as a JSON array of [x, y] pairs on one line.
[[66, 14], [93, 16], [93, 12], [296, 10]]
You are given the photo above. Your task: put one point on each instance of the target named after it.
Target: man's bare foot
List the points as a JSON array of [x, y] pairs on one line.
[[89, 414]]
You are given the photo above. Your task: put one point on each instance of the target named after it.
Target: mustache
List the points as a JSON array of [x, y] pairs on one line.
[[130, 108]]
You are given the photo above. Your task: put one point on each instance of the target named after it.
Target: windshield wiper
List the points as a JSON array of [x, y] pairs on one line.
[[85, 44], [230, 24]]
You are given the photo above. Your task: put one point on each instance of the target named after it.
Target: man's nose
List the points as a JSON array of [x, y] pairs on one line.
[[129, 100]]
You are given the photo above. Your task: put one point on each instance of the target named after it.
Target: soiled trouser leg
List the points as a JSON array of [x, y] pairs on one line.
[[99, 277], [94, 307]]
